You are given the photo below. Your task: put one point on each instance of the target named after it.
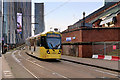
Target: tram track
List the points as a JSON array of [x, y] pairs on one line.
[[63, 64], [38, 65], [18, 61], [83, 64], [86, 64], [90, 65]]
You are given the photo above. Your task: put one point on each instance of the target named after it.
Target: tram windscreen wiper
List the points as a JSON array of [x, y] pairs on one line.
[[52, 46], [56, 46]]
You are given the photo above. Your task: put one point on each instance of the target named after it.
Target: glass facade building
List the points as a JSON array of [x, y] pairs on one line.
[[107, 2], [11, 33], [39, 18], [0, 26]]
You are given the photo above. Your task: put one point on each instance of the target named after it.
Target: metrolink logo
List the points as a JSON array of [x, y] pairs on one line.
[[60, 0]]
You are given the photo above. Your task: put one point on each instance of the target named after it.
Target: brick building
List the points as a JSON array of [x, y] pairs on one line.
[[77, 39]]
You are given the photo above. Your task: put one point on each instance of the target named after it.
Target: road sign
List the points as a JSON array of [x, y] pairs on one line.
[[68, 39], [114, 47]]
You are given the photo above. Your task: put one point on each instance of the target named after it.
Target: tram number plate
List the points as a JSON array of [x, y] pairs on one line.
[[54, 53]]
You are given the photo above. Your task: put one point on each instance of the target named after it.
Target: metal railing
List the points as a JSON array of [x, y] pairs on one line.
[[106, 48]]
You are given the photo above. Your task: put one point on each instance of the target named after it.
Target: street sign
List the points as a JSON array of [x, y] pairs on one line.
[[68, 38], [74, 37], [114, 47]]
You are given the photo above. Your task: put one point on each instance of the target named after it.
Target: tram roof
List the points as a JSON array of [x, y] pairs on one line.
[[42, 34]]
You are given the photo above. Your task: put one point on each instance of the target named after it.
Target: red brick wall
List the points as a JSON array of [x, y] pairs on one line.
[[93, 35], [77, 50], [100, 35], [119, 35], [89, 35], [80, 51], [76, 34], [87, 51]]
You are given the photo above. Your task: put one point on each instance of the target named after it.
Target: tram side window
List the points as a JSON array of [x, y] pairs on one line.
[[43, 42], [38, 42]]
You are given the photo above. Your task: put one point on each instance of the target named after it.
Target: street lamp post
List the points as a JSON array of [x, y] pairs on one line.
[[83, 19], [34, 27], [34, 30]]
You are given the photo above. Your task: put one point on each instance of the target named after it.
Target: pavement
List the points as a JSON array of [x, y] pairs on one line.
[[25, 66], [0, 68], [106, 64], [6, 70]]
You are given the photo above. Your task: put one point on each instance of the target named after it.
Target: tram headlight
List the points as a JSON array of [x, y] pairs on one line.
[[48, 52], [59, 52]]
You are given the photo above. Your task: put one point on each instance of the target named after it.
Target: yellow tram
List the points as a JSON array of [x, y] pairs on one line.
[[45, 46]]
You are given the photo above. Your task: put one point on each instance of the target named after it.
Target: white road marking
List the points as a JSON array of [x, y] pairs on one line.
[[66, 77], [19, 54], [46, 69], [22, 65], [8, 52], [15, 57], [30, 72], [106, 73], [34, 61], [7, 73], [53, 73], [96, 70], [28, 58]]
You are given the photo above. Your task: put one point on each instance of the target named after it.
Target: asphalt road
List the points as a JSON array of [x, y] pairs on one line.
[[25, 66]]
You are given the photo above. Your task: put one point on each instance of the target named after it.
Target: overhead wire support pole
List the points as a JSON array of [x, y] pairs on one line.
[[2, 29]]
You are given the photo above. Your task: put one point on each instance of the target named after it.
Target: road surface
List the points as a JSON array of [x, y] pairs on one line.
[[25, 66]]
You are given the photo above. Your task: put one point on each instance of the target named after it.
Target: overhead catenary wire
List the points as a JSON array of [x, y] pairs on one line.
[[29, 15], [57, 8]]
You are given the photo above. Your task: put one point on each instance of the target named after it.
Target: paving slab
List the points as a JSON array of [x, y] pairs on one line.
[[6, 70], [97, 62]]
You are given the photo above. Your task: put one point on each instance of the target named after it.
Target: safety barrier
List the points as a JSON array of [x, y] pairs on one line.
[[113, 58]]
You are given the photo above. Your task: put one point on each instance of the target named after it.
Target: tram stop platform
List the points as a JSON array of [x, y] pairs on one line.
[[100, 63]]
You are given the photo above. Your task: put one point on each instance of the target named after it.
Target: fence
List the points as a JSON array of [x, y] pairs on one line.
[[106, 48]]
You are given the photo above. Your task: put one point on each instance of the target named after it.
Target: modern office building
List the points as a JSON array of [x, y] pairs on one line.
[[0, 26], [16, 22], [106, 2], [39, 18], [0, 20]]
